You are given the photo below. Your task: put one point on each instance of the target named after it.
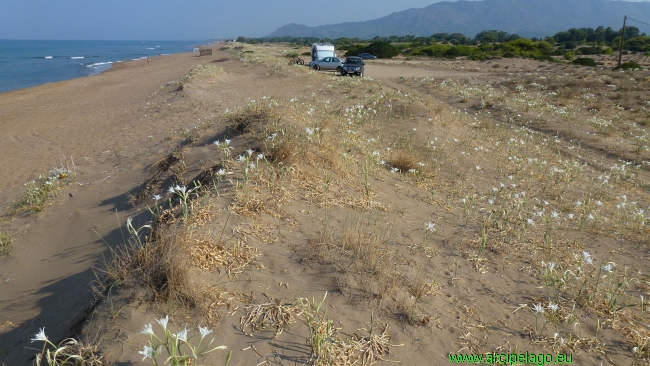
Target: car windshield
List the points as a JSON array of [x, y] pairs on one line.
[[353, 61]]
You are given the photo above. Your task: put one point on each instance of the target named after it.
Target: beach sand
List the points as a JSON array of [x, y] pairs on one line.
[[112, 128], [99, 124]]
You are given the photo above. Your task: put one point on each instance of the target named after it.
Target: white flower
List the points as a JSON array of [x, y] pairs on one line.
[[260, 156], [241, 158], [570, 216], [478, 167], [608, 267], [382, 162], [129, 220], [171, 189], [413, 171], [221, 172], [204, 332], [251, 165], [147, 330], [538, 308], [157, 197], [587, 258], [249, 152], [147, 352], [40, 336], [182, 335], [216, 143], [309, 131], [553, 307], [555, 215], [530, 222], [598, 203], [163, 321], [429, 226], [551, 265]]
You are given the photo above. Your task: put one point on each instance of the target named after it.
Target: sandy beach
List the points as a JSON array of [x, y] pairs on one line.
[[377, 196]]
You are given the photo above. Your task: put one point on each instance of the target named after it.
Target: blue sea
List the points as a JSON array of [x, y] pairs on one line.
[[30, 63]]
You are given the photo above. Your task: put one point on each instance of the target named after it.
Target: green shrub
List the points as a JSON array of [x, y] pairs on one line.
[[308, 53], [292, 54], [5, 243], [569, 55], [382, 49], [630, 65], [593, 50], [584, 61]]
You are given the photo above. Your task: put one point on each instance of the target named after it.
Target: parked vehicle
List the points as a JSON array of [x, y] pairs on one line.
[[353, 65], [367, 56], [327, 63], [321, 50], [296, 61]]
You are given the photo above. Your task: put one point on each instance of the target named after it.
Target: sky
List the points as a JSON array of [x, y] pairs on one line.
[[180, 20]]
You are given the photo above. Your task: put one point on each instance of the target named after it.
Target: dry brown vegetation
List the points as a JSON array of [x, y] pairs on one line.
[[501, 212]]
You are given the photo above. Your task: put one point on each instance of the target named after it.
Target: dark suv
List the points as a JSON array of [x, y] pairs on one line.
[[353, 65]]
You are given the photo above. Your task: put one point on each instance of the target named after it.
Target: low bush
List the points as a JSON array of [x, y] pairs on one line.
[[630, 65], [584, 61]]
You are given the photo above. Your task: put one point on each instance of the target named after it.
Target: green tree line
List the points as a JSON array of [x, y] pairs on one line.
[[570, 43]]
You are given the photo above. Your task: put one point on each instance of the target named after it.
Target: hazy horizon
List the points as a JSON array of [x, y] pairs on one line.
[[170, 20]]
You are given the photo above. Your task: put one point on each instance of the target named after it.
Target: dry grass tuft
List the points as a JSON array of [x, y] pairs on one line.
[[270, 315], [361, 255], [403, 160], [159, 266], [247, 205], [258, 114], [281, 152], [210, 255]]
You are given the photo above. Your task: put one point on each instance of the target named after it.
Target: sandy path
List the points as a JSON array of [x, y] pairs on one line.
[[381, 72]]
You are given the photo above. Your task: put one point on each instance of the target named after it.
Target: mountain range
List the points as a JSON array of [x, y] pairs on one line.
[[527, 18]]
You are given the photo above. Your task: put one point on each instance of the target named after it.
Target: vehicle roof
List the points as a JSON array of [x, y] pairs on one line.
[[353, 57]]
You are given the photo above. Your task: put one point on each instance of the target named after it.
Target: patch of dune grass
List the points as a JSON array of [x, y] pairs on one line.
[[5, 243], [39, 192]]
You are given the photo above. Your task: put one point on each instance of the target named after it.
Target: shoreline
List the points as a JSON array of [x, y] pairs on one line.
[[99, 67]]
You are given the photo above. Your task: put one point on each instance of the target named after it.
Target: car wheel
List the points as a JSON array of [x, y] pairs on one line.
[[361, 74], [316, 67]]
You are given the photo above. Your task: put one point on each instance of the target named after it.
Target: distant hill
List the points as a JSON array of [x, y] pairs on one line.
[[528, 18]]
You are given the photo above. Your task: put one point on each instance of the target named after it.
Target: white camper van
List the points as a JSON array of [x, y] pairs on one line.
[[322, 50]]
